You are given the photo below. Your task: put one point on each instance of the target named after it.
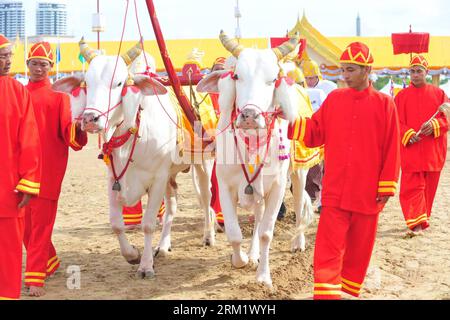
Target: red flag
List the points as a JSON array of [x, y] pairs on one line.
[[275, 42], [410, 42]]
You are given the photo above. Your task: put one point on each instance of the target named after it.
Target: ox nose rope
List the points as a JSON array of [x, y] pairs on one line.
[[269, 118]]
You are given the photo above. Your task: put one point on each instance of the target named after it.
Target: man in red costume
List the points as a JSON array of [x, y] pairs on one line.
[[57, 132], [423, 154], [219, 64], [20, 174], [360, 130]]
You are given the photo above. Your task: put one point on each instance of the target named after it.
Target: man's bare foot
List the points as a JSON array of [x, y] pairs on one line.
[[132, 227], [416, 231], [36, 291]]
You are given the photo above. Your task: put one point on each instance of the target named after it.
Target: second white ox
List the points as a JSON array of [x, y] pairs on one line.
[[113, 99], [255, 174]]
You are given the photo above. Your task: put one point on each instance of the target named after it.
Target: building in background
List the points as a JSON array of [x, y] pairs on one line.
[[12, 19], [51, 18]]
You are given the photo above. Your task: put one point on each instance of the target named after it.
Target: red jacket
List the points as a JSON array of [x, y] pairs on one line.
[[21, 149], [57, 132], [416, 106], [360, 131]]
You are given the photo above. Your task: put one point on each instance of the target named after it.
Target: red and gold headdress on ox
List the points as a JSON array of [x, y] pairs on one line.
[[419, 60], [4, 42], [41, 50], [357, 53]]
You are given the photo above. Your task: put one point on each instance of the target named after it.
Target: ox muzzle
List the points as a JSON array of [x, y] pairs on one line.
[[91, 122], [250, 117]]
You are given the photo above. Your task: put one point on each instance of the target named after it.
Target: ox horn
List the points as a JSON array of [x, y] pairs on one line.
[[87, 53], [132, 54], [287, 47], [230, 44]]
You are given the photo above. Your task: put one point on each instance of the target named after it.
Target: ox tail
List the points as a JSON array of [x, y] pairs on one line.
[[306, 217]]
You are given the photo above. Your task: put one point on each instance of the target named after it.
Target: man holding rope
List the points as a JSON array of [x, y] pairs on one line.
[[57, 133], [20, 175], [359, 128], [423, 152]]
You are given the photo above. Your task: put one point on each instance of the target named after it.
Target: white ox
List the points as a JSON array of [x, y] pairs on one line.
[[254, 93], [154, 164]]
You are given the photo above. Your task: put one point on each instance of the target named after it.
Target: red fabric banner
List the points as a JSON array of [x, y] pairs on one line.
[[410, 42], [275, 42]]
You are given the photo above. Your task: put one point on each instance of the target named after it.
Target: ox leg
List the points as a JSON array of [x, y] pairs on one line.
[[170, 200], [203, 173], [129, 252], [273, 204], [303, 209], [155, 196], [239, 258], [255, 248]]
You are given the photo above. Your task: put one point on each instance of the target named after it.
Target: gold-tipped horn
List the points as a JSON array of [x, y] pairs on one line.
[[287, 47], [230, 44], [132, 54], [87, 53]]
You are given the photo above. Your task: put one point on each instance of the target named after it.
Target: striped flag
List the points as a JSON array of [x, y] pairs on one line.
[[391, 91], [58, 52]]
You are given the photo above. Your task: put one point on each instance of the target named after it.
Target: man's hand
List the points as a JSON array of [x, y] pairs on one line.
[[25, 199], [415, 138], [426, 129], [382, 199]]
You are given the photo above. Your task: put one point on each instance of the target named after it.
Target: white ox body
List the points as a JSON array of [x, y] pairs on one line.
[[153, 169], [251, 92]]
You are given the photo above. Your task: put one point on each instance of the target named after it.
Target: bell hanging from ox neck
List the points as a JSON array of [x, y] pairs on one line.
[[116, 186], [248, 189]]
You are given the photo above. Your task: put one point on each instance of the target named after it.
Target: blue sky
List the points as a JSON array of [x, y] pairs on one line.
[[185, 19]]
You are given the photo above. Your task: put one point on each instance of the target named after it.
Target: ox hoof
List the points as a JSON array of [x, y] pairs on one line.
[[149, 275], [254, 262], [296, 248], [239, 262], [265, 280], [162, 252], [138, 259], [208, 243]]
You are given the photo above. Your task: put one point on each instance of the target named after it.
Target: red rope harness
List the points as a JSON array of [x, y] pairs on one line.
[[270, 123], [117, 142]]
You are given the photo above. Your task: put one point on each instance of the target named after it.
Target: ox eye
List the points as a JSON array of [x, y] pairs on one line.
[[235, 77], [119, 84]]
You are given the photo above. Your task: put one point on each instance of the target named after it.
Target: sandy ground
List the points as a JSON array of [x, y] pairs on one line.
[[417, 268]]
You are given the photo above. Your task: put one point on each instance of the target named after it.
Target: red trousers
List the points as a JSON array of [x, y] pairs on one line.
[[215, 200], [11, 237], [344, 245], [133, 215], [417, 191], [42, 260]]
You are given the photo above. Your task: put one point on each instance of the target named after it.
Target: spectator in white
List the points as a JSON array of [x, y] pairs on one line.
[[314, 81]]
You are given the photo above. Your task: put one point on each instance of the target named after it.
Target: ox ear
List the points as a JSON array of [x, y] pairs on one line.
[[290, 100], [227, 96], [209, 83], [68, 84], [149, 86]]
